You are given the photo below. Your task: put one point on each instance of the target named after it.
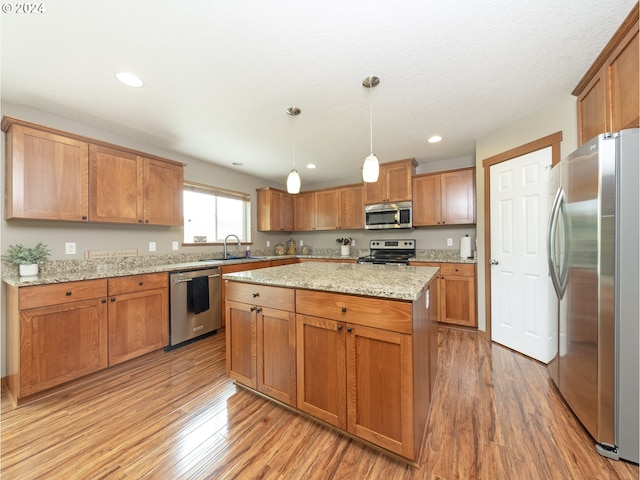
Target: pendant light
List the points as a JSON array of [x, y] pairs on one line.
[[371, 168], [293, 180]]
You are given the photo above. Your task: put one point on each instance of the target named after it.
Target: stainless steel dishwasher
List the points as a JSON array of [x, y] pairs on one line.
[[185, 324]]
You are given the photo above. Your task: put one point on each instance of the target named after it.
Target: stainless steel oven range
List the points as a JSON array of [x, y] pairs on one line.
[[390, 252], [195, 305]]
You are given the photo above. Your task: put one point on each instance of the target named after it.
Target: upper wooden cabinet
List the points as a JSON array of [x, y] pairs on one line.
[[53, 175], [351, 205], [446, 198], [608, 93], [394, 183], [327, 209], [47, 175], [275, 210], [304, 211]]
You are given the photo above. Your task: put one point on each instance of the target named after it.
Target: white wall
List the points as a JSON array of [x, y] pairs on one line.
[[557, 116]]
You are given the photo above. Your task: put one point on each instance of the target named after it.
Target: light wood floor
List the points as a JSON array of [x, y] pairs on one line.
[[175, 415]]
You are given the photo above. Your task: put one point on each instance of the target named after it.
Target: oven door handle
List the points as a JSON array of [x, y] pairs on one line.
[[182, 280]]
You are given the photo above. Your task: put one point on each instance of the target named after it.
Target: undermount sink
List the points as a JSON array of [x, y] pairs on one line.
[[232, 258]]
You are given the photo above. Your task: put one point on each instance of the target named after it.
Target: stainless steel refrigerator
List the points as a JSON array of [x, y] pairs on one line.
[[593, 248]]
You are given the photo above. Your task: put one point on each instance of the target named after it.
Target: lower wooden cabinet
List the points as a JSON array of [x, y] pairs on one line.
[[357, 378], [61, 332], [55, 333], [456, 285], [261, 336], [138, 315]]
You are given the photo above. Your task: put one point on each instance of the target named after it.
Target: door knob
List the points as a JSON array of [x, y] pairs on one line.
[[493, 261]]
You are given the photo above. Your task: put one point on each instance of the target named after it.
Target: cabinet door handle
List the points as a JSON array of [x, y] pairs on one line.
[[140, 221], [258, 310], [256, 295], [68, 294], [113, 299], [339, 327], [344, 309], [84, 217], [349, 329], [104, 300], [251, 309]]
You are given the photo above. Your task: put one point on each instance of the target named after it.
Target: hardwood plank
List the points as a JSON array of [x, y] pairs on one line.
[[495, 414]]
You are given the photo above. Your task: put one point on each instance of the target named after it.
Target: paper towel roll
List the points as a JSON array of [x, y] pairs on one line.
[[465, 247]]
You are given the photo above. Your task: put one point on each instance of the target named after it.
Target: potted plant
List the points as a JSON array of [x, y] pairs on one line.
[[27, 258]]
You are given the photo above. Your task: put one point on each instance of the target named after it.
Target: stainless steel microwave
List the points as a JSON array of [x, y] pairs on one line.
[[388, 215]]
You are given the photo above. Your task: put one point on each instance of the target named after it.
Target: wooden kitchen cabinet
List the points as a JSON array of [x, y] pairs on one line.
[[55, 333], [327, 210], [304, 209], [351, 205], [261, 339], [358, 379], [394, 183], [127, 188], [445, 198], [54, 175], [275, 210], [240, 267], [456, 287], [608, 96], [138, 315], [47, 175]]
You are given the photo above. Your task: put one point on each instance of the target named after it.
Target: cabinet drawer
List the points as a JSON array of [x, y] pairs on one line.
[[462, 269], [272, 297], [44, 295], [138, 283], [392, 315]]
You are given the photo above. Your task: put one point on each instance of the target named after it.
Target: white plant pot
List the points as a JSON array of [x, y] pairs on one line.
[[29, 270], [344, 250]]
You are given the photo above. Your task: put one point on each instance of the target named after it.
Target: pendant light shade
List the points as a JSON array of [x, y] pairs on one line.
[[293, 180], [371, 167]]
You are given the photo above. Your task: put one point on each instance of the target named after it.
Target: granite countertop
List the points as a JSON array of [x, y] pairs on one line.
[[386, 281], [63, 271]]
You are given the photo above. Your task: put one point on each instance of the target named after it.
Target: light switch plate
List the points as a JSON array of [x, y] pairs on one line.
[[175, 245], [70, 248], [152, 246]]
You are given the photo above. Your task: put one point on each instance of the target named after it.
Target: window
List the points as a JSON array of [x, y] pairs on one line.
[[211, 213]]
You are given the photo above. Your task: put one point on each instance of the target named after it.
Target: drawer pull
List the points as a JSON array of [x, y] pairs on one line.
[[68, 294], [140, 283], [256, 295], [344, 309]]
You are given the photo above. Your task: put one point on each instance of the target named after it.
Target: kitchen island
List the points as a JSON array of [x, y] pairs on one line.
[[353, 346]]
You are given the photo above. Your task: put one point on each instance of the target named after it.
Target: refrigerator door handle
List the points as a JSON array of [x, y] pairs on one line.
[[551, 244]]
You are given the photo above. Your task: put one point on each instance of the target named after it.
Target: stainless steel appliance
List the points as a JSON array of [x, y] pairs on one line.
[[195, 305], [388, 215], [390, 252], [593, 246]]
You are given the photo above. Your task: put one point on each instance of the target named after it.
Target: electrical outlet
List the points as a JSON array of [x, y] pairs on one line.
[[268, 243], [353, 242], [70, 248], [152, 246], [175, 245], [449, 242], [301, 243]]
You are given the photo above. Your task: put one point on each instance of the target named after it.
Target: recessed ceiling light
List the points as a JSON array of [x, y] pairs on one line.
[[129, 79], [434, 139], [311, 165]]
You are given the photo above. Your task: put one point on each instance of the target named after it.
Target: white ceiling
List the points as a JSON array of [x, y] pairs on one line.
[[219, 74]]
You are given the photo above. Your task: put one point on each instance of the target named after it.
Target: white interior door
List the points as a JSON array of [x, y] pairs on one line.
[[520, 293]]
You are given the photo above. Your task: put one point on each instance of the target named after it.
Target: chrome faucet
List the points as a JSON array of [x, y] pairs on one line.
[[224, 256]]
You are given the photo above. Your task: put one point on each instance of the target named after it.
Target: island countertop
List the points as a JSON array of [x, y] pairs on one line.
[[385, 281]]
